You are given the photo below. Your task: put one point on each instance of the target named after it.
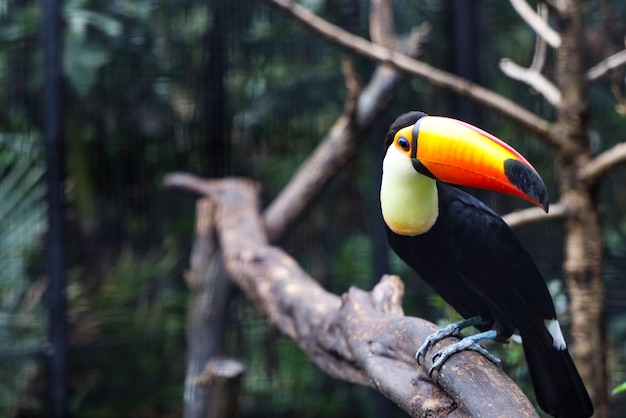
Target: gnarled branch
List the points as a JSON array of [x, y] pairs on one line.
[[361, 337]]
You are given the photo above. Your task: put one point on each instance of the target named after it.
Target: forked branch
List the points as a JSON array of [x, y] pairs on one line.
[[532, 75]]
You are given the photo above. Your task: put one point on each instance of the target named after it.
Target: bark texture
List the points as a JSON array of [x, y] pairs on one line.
[[360, 337], [210, 292], [583, 234]]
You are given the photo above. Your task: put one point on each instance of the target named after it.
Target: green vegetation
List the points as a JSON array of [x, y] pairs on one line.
[[219, 88]]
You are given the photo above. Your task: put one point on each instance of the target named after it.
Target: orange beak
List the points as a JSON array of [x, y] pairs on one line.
[[459, 153]]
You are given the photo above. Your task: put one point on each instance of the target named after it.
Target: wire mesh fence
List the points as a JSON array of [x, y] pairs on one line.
[[215, 88]]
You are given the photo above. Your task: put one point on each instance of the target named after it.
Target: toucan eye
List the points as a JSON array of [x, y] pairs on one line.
[[404, 143]]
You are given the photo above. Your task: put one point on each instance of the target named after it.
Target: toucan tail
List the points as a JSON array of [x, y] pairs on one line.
[[559, 389]]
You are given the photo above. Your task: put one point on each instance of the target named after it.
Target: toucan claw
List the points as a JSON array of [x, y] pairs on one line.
[[452, 330], [466, 344]]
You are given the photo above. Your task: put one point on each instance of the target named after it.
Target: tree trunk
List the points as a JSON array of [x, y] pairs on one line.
[[583, 236]]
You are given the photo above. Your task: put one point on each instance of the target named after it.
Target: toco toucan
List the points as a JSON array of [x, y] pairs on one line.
[[467, 253]]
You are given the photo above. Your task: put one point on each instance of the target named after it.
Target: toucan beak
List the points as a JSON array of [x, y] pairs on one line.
[[459, 153]]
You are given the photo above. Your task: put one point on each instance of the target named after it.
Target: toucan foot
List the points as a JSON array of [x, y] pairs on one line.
[[452, 330], [467, 343]]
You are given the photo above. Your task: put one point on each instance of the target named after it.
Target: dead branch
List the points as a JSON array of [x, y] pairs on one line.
[[334, 151], [534, 215], [605, 66], [532, 75], [381, 25], [363, 108], [210, 291], [541, 49], [537, 23], [603, 163], [533, 78], [361, 337], [417, 68]]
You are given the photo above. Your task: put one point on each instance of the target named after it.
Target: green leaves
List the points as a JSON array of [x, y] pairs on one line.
[[22, 211], [22, 224], [619, 389], [84, 55]]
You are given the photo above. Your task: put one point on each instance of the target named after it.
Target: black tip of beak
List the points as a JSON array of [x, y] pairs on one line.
[[527, 180]]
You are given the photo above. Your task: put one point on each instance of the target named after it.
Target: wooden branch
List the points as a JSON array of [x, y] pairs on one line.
[[533, 78], [210, 290], [433, 75], [381, 25], [601, 164], [605, 66], [537, 23], [361, 337], [541, 49], [532, 75], [534, 215], [340, 144]]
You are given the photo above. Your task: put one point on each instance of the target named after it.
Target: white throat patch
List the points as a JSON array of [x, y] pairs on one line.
[[408, 199]]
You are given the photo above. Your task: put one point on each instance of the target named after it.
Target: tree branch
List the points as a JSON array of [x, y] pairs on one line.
[[601, 164], [381, 25], [541, 48], [533, 78], [361, 337], [210, 290], [534, 215], [532, 75], [537, 23], [606, 66], [433, 75], [342, 141]]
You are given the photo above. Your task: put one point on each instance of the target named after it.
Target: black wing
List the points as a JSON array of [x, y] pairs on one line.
[[472, 259]]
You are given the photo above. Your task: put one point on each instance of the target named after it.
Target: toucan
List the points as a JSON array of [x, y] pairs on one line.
[[467, 253]]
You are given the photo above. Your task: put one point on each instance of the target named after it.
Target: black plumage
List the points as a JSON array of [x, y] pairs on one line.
[[472, 259]]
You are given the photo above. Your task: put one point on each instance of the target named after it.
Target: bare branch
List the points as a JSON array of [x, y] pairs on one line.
[[541, 49], [411, 66], [532, 75], [361, 337], [534, 215], [340, 144], [537, 23], [210, 291], [533, 78], [335, 150], [605, 66], [602, 163], [381, 25]]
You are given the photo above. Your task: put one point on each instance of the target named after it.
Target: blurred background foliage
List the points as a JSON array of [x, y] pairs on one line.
[[225, 87]]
